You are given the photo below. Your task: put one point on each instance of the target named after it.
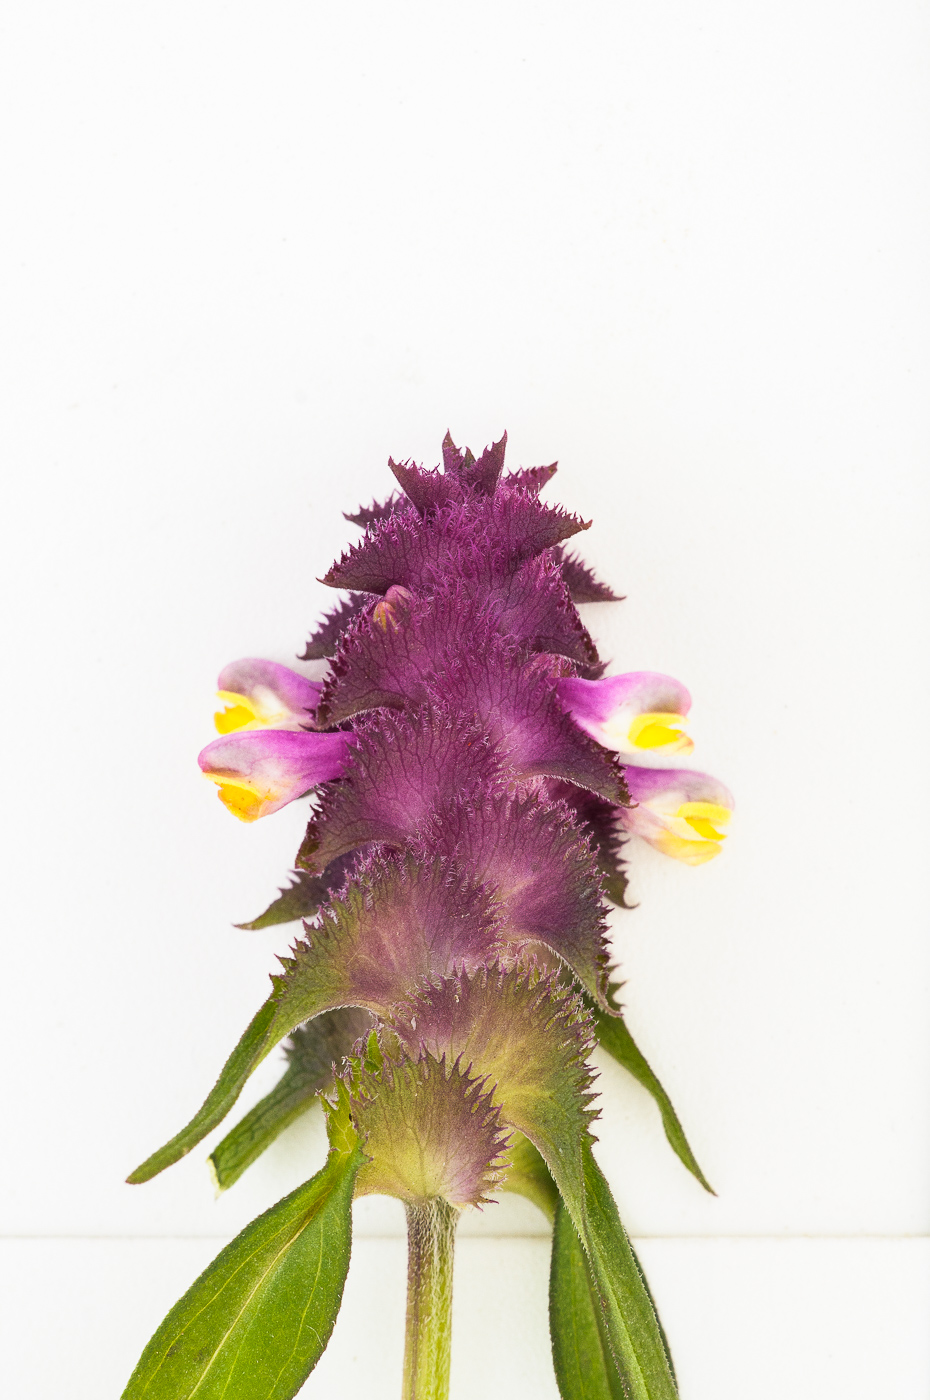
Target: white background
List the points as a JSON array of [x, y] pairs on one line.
[[248, 252]]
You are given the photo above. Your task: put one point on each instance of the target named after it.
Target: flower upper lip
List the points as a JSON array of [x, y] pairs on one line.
[[262, 694], [640, 714]]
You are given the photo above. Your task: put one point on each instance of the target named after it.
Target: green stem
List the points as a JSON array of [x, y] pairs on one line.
[[430, 1248]]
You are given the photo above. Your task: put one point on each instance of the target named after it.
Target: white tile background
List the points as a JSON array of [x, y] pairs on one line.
[[248, 252]]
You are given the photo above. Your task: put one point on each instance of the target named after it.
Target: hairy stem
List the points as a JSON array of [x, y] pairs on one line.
[[430, 1248]]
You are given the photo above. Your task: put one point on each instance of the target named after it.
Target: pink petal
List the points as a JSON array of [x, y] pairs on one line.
[[674, 786], [592, 703], [252, 673], [278, 764]]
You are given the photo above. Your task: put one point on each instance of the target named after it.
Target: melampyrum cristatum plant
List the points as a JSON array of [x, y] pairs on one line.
[[473, 777]]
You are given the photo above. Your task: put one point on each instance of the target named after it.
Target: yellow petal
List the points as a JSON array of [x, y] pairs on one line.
[[705, 818], [239, 713], [690, 852], [247, 806], [238, 717], [239, 796], [659, 731]]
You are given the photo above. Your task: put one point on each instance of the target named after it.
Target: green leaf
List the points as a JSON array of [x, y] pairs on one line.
[[631, 1326], [584, 1366], [298, 901], [614, 1034], [256, 1322], [261, 1035], [288, 1005], [398, 923], [313, 1051], [581, 1351], [295, 999], [289, 1100], [665, 1346], [530, 1177]]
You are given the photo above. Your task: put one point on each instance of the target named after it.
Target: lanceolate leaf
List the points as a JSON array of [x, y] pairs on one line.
[[584, 1365], [581, 1351], [614, 1034], [313, 1052], [631, 1327], [256, 1322], [394, 925], [530, 1177], [251, 1050], [665, 1346], [289, 1100], [316, 988]]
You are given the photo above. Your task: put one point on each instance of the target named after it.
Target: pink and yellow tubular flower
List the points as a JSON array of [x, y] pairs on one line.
[[264, 695], [260, 771], [682, 814], [640, 715], [267, 757]]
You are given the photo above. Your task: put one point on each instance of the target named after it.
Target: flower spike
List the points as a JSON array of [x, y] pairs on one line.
[[479, 777]]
